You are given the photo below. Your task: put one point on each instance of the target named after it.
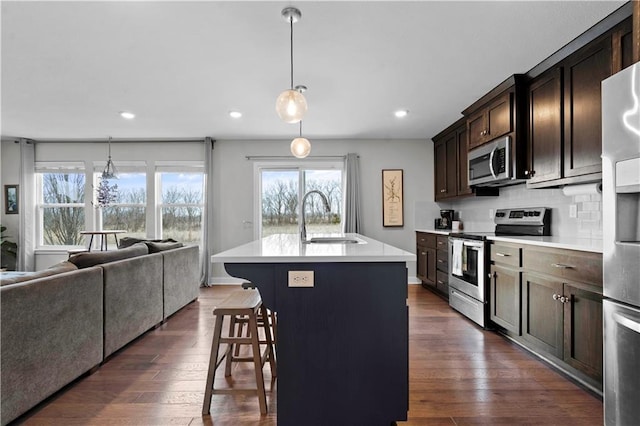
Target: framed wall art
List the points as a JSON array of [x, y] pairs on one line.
[[392, 198], [11, 201]]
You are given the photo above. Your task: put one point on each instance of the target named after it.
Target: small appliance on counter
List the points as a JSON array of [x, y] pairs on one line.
[[445, 220]]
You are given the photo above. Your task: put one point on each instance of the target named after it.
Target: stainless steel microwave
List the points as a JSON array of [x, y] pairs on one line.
[[491, 163]]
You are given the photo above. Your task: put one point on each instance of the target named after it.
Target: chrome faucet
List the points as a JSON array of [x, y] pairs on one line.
[[303, 225]]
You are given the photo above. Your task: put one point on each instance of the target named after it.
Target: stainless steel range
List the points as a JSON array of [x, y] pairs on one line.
[[469, 260]]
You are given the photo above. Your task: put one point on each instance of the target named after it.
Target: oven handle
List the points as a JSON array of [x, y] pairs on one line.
[[627, 322]]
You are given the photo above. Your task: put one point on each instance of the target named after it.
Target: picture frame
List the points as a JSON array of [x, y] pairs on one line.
[[392, 198], [11, 200]]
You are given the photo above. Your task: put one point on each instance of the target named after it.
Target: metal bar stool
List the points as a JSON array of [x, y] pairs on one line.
[[240, 304]]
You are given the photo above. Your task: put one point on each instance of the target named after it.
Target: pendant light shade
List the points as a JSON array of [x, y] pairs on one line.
[[110, 171], [291, 105], [300, 147]]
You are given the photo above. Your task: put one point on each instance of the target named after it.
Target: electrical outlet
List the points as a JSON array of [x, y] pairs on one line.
[[300, 278], [573, 210]]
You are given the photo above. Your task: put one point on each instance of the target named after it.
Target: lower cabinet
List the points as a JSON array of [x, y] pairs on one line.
[[551, 302], [432, 268]]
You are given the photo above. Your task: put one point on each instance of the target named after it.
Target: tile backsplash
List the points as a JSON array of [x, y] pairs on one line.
[[475, 212]]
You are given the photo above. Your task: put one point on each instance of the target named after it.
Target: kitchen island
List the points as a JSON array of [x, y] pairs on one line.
[[343, 333]]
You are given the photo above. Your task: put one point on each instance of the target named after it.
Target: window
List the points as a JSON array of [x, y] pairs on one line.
[[61, 206], [128, 209], [282, 190], [181, 206]]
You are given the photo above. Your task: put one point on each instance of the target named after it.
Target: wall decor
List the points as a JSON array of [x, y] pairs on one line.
[[392, 198], [11, 201]]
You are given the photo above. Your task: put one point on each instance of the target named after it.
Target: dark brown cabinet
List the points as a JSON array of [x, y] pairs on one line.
[[505, 287], [493, 120], [545, 127], [442, 265], [583, 74], [446, 165], [550, 300], [426, 258], [565, 113]]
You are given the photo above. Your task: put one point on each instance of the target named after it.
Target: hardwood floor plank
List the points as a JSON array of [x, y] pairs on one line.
[[459, 375]]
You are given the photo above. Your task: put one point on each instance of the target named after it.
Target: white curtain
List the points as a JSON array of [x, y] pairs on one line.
[[352, 209], [207, 220], [27, 199]]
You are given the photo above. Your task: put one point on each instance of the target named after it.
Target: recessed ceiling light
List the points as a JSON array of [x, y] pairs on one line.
[[127, 115], [235, 114], [401, 113]]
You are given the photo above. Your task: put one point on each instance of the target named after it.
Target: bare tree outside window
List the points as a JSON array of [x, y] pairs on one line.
[[63, 208], [182, 206]]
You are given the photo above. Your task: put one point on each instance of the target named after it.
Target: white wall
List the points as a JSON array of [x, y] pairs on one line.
[[234, 188]]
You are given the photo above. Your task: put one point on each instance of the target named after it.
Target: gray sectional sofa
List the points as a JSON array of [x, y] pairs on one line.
[[60, 323]]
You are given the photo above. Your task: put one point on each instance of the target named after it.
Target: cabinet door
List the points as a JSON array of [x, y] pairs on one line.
[[440, 169], [499, 118], [583, 73], [463, 167], [421, 267], [477, 129], [542, 313], [431, 266], [504, 303], [583, 330], [545, 127], [426, 267], [622, 45]]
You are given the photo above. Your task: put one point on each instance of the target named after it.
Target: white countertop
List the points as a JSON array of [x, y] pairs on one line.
[[569, 243], [287, 248]]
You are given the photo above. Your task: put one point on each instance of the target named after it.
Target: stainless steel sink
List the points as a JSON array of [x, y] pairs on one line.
[[334, 240]]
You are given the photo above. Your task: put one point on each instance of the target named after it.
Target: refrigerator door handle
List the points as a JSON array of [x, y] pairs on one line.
[[627, 322]]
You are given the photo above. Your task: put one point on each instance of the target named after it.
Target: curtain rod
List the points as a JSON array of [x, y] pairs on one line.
[[114, 140], [288, 157]]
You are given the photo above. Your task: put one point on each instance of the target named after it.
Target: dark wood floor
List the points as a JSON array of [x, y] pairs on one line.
[[459, 375]]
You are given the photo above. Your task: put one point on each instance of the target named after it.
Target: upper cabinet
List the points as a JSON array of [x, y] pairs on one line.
[[565, 114], [491, 121]]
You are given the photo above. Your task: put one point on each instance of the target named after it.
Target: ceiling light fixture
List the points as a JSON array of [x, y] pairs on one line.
[[110, 172], [401, 113], [300, 147], [291, 104], [235, 114], [127, 115]]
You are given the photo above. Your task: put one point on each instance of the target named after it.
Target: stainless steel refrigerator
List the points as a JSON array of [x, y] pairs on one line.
[[621, 246]]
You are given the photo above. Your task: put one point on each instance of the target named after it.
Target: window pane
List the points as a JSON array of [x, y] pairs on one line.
[[181, 188], [63, 188], [279, 201], [130, 219], [317, 219], [183, 224], [132, 188], [62, 225]]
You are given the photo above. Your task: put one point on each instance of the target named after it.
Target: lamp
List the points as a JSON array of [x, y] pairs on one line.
[[300, 147], [291, 104], [110, 171]]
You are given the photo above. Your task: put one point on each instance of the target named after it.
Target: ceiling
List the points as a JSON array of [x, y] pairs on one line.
[[69, 68]]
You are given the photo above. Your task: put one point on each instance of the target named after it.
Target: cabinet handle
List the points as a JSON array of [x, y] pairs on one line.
[[556, 296], [503, 254], [440, 282], [443, 190], [423, 253], [564, 299], [439, 260], [561, 266]]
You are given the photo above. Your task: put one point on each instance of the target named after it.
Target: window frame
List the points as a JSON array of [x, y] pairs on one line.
[[301, 167]]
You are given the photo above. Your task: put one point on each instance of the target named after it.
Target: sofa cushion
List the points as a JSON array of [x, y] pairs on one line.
[[13, 277], [85, 260], [155, 247], [129, 241]]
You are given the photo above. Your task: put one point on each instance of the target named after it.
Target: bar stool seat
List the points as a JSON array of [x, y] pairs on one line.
[[239, 306]]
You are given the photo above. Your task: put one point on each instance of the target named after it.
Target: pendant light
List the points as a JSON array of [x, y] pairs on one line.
[[110, 171], [291, 104], [300, 147]]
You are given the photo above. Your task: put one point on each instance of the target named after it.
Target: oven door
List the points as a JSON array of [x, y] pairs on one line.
[[467, 267]]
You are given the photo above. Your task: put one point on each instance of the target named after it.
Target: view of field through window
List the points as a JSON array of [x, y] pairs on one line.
[[282, 193]]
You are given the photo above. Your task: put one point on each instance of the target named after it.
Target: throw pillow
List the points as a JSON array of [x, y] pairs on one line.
[[155, 247]]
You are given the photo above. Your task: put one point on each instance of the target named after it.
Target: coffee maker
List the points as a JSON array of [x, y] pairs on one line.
[[445, 220]]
